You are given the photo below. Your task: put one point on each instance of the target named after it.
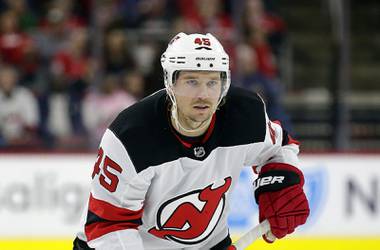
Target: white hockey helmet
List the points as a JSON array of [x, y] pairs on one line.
[[195, 52]]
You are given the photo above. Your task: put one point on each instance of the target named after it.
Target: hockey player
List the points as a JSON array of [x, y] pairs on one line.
[[167, 165]]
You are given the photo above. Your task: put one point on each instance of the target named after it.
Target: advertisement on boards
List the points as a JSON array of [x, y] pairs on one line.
[[44, 195]]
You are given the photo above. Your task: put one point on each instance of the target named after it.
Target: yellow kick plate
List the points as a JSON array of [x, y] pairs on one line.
[[284, 244]]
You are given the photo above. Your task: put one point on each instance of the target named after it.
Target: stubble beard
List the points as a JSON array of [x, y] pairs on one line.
[[196, 120]]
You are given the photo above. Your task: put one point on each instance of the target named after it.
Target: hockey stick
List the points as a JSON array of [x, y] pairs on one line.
[[253, 234]]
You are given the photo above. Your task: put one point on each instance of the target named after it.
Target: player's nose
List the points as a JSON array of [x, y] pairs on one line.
[[202, 91]]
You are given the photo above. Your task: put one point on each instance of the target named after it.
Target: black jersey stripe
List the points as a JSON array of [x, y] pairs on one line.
[[144, 128]]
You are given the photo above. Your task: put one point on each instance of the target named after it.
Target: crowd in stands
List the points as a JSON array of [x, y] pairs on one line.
[[67, 68]]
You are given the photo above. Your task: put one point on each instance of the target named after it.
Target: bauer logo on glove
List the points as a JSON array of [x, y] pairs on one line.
[[266, 181]]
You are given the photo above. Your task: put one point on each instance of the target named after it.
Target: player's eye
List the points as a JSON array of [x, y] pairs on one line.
[[212, 83], [192, 82]]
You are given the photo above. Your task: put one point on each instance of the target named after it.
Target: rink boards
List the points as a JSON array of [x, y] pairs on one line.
[[41, 198], [285, 244]]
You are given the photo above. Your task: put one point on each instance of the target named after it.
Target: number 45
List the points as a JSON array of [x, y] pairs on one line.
[[112, 180], [202, 41]]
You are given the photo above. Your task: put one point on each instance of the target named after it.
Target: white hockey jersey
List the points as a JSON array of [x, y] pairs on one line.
[[152, 189]]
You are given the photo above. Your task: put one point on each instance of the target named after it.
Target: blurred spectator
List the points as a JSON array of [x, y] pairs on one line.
[[264, 32], [269, 88], [71, 62], [199, 16], [100, 108], [14, 45], [55, 29], [266, 62], [19, 115], [82, 10], [17, 47], [270, 25], [206, 16], [156, 15], [110, 13], [132, 16], [134, 84], [69, 71], [145, 53], [49, 44], [58, 122], [66, 8], [152, 15], [155, 79], [26, 18], [117, 53]]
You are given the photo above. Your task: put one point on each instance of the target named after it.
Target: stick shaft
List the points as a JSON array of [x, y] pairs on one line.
[[252, 235]]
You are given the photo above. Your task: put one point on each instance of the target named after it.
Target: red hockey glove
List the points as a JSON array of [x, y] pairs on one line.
[[282, 201]]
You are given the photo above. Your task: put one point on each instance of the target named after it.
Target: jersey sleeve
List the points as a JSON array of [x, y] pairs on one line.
[[115, 206], [278, 147]]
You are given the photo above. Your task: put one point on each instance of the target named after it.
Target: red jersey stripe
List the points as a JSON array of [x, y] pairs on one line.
[[293, 141], [186, 144], [210, 129], [98, 229], [111, 212], [254, 168], [204, 139]]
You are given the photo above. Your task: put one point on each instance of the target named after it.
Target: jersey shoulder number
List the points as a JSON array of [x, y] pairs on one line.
[[107, 179]]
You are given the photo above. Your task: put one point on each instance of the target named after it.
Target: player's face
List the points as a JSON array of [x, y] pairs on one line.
[[197, 94]]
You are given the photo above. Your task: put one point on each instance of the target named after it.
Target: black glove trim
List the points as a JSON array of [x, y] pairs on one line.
[[274, 180], [81, 245]]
